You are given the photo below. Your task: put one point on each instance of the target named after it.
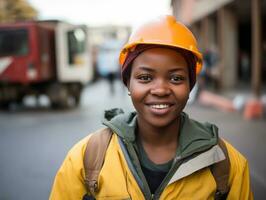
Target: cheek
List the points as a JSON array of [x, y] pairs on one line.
[[182, 93], [137, 91]]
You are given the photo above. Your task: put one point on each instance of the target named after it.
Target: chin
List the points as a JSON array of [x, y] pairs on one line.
[[162, 122]]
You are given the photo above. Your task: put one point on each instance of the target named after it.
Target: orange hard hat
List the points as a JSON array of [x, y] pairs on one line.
[[164, 31]]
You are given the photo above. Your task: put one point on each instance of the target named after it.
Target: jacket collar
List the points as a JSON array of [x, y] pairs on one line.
[[194, 136], [197, 145]]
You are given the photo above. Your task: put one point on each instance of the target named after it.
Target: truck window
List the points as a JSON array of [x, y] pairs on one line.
[[14, 42], [76, 44]]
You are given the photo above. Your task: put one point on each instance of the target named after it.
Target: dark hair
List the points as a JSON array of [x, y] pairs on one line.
[[126, 73]]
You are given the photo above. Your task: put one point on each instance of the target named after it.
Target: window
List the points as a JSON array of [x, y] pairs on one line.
[[14, 42], [76, 44]]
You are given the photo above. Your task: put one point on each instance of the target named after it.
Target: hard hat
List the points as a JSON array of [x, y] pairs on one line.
[[165, 31]]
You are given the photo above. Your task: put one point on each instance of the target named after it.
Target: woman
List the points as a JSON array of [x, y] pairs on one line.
[[157, 152]]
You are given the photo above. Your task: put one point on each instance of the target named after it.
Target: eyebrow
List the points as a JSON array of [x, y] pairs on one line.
[[146, 68], [152, 70], [177, 69]]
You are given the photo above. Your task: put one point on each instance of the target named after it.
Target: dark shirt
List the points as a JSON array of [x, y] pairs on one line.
[[154, 173], [154, 178]]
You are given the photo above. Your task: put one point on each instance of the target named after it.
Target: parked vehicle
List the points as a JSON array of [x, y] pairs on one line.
[[44, 57]]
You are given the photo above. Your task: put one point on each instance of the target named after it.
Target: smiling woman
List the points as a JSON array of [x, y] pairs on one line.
[[159, 87], [156, 152]]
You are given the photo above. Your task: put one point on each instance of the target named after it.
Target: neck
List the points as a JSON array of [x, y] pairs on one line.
[[159, 136]]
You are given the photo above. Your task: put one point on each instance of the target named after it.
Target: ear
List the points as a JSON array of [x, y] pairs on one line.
[[128, 88]]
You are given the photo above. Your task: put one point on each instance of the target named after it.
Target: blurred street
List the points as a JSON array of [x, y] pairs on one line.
[[35, 139]]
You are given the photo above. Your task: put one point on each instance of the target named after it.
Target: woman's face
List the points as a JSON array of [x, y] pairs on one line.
[[159, 86]]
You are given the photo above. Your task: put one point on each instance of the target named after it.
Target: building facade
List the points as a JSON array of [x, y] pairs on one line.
[[236, 28]]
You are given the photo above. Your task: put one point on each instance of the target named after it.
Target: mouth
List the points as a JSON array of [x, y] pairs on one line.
[[160, 108]]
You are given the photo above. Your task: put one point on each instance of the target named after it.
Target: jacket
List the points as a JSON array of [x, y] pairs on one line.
[[121, 176]]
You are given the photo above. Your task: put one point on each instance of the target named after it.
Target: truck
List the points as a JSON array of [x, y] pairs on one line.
[[49, 58]]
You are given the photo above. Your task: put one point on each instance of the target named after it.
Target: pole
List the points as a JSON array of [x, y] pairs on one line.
[[256, 46], [221, 44]]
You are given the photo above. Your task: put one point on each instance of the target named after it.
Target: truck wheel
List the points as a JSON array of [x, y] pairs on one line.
[[58, 95], [75, 92], [62, 98], [77, 98]]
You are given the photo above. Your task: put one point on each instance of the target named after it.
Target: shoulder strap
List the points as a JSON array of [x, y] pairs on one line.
[[220, 172], [94, 158]]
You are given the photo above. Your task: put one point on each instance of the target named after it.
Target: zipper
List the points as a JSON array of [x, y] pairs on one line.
[[141, 181], [129, 150], [139, 177], [176, 164], [144, 186]]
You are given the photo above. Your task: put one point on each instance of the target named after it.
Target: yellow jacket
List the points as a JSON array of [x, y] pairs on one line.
[[117, 180]]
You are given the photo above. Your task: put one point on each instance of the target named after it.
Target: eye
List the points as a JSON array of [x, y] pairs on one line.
[[144, 78], [177, 78]]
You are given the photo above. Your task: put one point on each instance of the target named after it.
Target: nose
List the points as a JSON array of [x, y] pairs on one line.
[[160, 88]]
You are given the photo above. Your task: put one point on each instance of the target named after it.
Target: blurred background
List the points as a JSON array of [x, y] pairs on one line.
[[59, 71]]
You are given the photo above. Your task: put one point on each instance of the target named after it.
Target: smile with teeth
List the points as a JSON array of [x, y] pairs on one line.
[[160, 106]]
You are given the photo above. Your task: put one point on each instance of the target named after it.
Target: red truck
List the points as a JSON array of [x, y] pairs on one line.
[[44, 57]]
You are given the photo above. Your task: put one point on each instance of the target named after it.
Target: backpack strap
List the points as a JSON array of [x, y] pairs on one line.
[[94, 158], [220, 172]]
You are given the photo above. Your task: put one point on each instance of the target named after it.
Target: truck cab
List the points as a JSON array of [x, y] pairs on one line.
[[44, 57]]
